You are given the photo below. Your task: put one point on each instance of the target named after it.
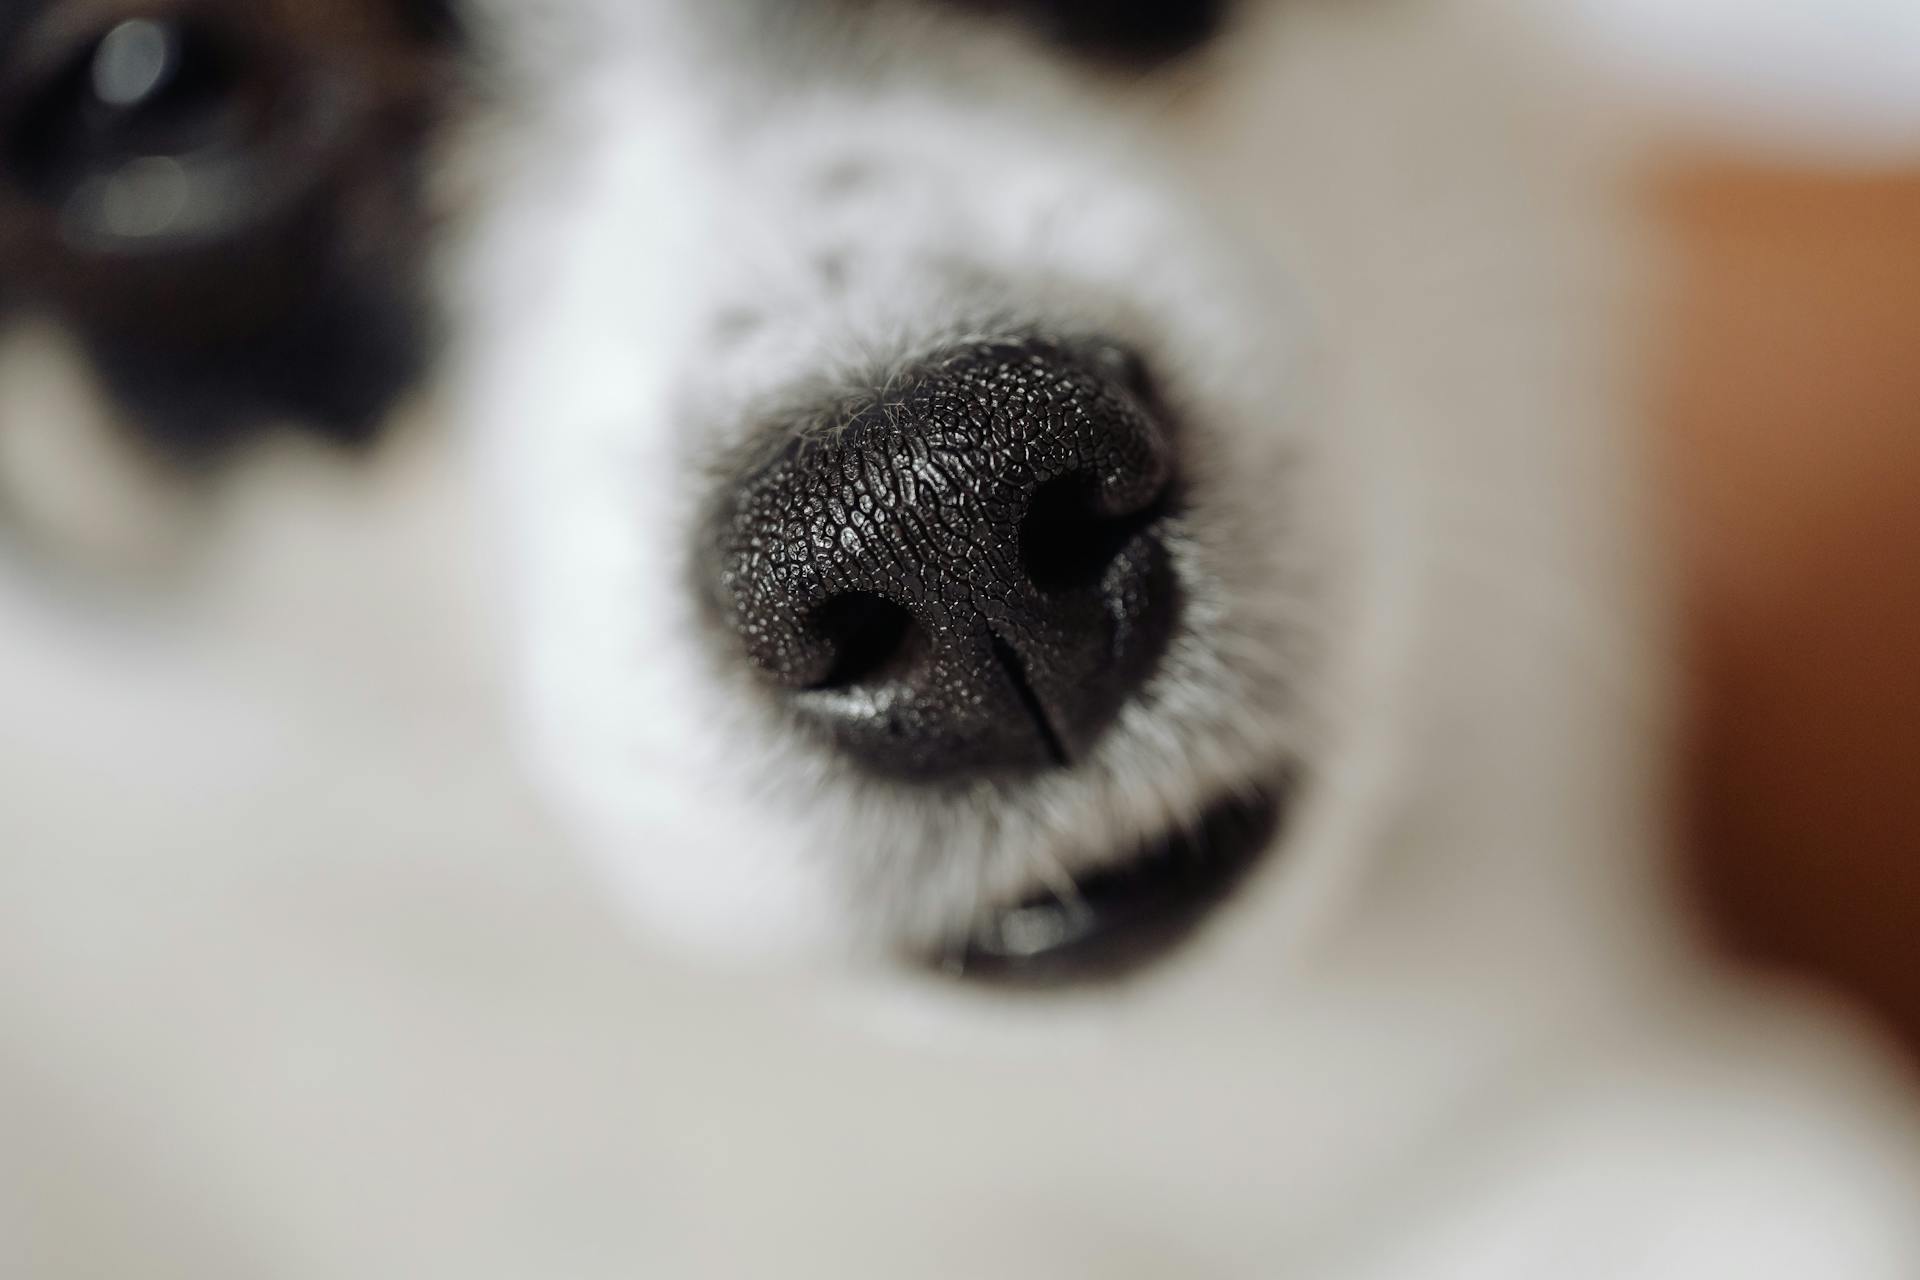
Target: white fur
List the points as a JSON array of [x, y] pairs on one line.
[[1454, 1028]]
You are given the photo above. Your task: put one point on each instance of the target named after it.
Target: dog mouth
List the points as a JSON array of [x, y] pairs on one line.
[[1123, 918]]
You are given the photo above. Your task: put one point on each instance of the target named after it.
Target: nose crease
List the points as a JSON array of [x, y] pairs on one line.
[[1050, 739]]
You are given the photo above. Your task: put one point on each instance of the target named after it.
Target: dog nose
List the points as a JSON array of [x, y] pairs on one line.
[[961, 574]]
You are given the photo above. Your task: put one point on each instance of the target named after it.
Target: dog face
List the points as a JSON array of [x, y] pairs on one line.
[[988, 488], [983, 508], [985, 493]]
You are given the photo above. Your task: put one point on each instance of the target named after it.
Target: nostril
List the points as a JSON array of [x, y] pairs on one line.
[[868, 635], [1066, 540], [1125, 368]]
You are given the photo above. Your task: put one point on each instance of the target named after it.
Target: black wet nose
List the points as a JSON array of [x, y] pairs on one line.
[[960, 573]]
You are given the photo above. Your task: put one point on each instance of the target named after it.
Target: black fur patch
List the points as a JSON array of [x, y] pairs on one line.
[[306, 309]]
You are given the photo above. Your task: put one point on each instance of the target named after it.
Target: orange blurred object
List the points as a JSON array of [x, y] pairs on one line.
[[1794, 407]]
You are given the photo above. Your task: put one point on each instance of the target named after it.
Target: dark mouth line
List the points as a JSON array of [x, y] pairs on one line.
[[1036, 710], [1126, 916]]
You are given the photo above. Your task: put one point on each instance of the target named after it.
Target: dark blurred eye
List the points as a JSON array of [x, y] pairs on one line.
[[226, 201], [155, 131], [1137, 32]]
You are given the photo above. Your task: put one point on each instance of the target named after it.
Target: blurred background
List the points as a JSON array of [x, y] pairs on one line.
[[1789, 428]]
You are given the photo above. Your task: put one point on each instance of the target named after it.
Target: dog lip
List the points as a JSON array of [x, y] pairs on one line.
[[1125, 917]]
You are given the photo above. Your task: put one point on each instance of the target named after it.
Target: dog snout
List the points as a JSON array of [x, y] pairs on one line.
[[961, 573]]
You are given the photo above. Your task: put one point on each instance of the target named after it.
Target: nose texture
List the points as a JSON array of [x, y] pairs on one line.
[[961, 574]]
